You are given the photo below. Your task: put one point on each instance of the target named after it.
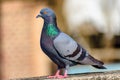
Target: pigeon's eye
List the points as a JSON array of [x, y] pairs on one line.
[[44, 12]]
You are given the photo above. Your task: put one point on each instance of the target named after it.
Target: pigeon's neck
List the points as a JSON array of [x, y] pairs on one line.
[[51, 29], [49, 20]]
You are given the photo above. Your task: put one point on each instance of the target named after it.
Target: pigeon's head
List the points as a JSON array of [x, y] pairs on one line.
[[46, 13]]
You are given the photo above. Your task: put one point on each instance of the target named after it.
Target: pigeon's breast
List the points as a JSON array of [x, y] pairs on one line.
[[64, 44]]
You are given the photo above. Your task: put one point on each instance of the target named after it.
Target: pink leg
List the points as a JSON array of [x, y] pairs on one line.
[[57, 75], [65, 74]]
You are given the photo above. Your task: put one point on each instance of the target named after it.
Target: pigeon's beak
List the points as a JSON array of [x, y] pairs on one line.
[[39, 15]]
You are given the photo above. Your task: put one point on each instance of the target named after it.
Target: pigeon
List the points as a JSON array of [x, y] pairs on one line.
[[63, 50]]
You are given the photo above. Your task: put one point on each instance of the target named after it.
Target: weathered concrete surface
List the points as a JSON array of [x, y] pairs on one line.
[[110, 75]]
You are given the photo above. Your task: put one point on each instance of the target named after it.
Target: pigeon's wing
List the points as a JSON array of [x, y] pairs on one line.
[[71, 50], [68, 48]]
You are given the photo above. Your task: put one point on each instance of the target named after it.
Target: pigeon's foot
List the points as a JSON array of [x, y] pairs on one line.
[[57, 75]]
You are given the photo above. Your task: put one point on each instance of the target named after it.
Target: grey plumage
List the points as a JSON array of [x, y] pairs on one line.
[[60, 47]]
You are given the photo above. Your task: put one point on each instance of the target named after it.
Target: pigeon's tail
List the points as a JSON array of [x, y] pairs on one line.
[[98, 64], [99, 67]]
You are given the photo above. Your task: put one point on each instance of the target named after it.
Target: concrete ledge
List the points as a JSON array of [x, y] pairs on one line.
[[109, 75]]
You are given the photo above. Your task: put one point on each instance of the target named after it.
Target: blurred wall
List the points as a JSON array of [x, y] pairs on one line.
[[0, 43]]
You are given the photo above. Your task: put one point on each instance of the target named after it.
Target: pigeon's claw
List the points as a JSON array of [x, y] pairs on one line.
[[57, 75]]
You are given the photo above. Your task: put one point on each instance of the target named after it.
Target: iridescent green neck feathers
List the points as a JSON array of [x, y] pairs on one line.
[[51, 30]]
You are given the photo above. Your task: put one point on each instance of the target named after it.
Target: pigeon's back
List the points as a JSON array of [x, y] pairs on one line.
[[64, 44]]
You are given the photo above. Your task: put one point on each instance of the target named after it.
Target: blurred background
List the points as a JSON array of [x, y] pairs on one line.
[[95, 24]]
